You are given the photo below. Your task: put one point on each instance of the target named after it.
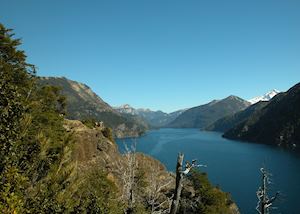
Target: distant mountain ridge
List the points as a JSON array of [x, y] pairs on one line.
[[204, 115], [155, 119], [277, 123], [126, 109], [83, 103], [266, 97], [230, 121]]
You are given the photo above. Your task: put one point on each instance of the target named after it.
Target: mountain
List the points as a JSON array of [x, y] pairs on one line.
[[83, 103], [155, 119], [126, 109], [204, 115], [230, 121], [265, 97], [278, 123], [158, 118], [175, 114]]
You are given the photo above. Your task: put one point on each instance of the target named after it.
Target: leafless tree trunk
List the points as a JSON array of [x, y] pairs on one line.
[[264, 203], [158, 201], [129, 177], [127, 170], [178, 188]]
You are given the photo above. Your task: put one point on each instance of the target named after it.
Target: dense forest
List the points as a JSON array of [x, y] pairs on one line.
[[49, 164]]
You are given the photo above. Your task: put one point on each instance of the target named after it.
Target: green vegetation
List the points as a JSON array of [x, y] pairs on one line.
[[52, 165], [83, 104], [89, 122], [107, 132], [15, 85], [97, 195], [37, 173], [207, 199]]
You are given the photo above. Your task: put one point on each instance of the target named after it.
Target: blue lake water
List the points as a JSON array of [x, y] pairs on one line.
[[232, 165]]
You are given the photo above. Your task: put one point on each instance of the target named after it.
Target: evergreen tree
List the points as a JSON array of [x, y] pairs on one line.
[[37, 170], [15, 87]]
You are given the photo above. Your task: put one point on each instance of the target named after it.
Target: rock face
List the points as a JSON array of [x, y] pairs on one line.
[[92, 150], [91, 147], [277, 123], [83, 103], [204, 115]]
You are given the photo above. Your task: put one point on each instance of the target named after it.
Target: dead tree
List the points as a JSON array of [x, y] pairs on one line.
[[179, 179], [126, 169], [264, 202], [129, 177], [178, 187], [158, 202]]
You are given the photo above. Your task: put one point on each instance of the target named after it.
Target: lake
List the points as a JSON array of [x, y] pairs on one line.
[[232, 165]]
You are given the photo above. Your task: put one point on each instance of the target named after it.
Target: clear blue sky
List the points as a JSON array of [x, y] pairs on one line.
[[162, 54]]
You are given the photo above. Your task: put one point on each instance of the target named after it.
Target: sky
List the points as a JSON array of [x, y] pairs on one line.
[[162, 54]]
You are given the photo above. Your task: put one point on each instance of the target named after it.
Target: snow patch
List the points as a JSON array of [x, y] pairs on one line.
[[266, 97]]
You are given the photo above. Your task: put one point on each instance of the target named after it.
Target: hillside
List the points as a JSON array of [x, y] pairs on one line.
[[83, 103], [278, 123], [204, 115], [49, 164], [155, 119], [94, 151], [153, 184], [228, 122]]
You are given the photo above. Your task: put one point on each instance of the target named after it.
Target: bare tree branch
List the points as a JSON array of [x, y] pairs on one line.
[[264, 204]]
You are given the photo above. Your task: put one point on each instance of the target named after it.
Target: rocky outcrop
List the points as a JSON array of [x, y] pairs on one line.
[[92, 149], [153, 184]]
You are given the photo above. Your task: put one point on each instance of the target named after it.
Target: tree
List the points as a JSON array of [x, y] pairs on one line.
[[207, 199], [157, 200], [15, 88], [178, 188], [17, 79], [264, 202], [34, 144]]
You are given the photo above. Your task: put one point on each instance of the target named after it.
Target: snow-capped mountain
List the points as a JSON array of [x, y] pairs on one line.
[[265, 97]]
